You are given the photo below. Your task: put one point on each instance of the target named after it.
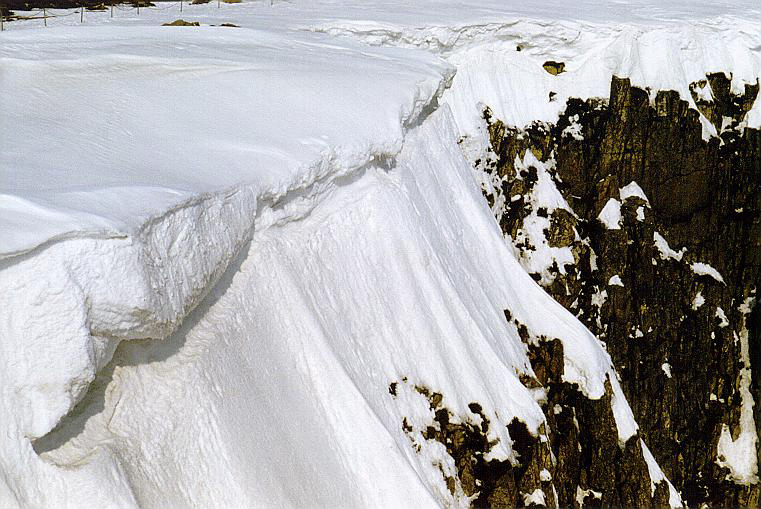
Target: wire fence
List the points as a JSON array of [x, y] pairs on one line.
[[44, 14]]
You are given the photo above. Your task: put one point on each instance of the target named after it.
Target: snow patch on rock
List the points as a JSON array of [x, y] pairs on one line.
[[544, 195], [704, 269], [657, 475], [738, 454], [610, 215], [666, 252]]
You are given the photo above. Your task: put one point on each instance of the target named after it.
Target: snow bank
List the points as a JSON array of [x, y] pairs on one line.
[[395, 271], [135, 175]]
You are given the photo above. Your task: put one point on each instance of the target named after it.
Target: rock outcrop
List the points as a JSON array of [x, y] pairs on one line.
[[661, 230], [575, 460]]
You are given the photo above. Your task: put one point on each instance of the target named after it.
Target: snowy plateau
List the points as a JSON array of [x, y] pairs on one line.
[[267, 264]]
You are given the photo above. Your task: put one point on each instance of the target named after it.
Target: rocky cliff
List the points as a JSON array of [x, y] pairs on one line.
[[648, 230]]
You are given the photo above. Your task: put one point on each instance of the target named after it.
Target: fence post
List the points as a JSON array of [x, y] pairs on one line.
[[1, 20], [112, 8], [82, 14], [180, 5], [45, 16]]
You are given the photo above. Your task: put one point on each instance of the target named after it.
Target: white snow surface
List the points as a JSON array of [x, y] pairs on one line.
[[698, 301], [165, 118], [632, 189], [279, 227], [657, 475], [398, 272], [665, 251], [704, 269], [536, 497], [610, 215]]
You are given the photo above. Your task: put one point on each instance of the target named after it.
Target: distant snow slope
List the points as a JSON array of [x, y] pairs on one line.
[[280, 226]]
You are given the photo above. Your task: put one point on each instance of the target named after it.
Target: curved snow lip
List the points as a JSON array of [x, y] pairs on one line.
[[233, 108], [128, 268], [71, 302]]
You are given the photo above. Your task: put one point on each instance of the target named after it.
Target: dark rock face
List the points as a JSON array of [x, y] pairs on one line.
[[675, 332], [584, 440], [575, 460]]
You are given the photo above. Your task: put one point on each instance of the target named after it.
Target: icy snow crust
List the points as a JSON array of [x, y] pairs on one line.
[[280, 226]]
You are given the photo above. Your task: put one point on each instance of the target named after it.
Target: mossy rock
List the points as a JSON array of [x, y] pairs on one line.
[[553, 67], [562, 233]]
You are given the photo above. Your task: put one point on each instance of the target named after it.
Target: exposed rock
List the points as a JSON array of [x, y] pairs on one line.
[[181, 23], [671, 330], [714, 99], [562, 232], [553, 67], [576, 450]]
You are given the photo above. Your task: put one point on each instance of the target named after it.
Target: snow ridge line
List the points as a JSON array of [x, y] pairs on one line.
[[445, 39]]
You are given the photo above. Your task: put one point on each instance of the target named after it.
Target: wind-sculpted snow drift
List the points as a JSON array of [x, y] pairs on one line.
[[252, 267]]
